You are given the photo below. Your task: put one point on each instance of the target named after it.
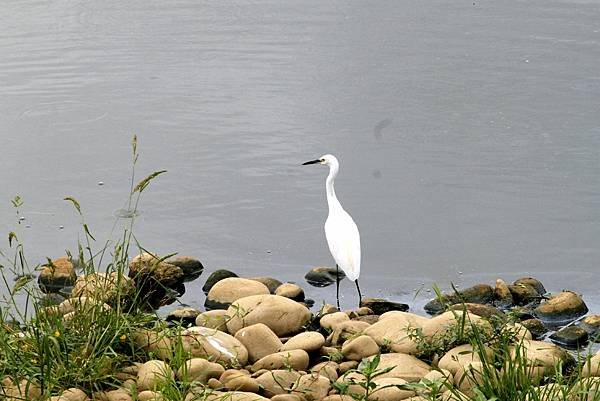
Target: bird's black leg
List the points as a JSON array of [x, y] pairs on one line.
[[359, 294], [337, 285]]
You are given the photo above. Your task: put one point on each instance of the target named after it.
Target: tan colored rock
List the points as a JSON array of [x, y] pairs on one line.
[[591, 368], [259, 340], [328, 369], [278, 381], [443, 377], [542, 357], [74, 394], [82, 305], [153, 374], [469, 376], [519, 331], [231, 289], [397, 331], [329, 321], [347, 365], [239, 380], [200, 370], [441, 325], [386, 389], [308, 341], [291, 291], [214, 345], [104, 287], [23, 390], [148, 395], [157, 343], [282, 315], [561, 307], [295, 359], [460, 356], [405, 367], [360, 347], [56, 275], [118, 395], [232, 396], [338, 397], [350, 381], [502, 293], [288, 397], [313, 387], [346, 330], [213, 319]]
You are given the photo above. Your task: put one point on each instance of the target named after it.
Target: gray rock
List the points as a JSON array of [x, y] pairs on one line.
[[380, 306], [215, 277], [192, 268], [323, 276], [570, 337], [478, 294]]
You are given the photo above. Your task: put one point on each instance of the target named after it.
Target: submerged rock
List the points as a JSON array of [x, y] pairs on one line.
[[571, 337], [536, 327], [159, 282], [379, 306], [56, 275], [562, 307], [478, 294], [192, 268], [591, 324], [532, 282], [215, 277], [323, 276]]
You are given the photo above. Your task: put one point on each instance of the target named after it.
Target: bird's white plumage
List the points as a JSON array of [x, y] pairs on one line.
[[341, 232]]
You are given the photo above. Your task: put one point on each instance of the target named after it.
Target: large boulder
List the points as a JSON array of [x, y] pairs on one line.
[[230, 289], [282, 315], [56, 275], [259, 340], [111, 288], [159, 282], [403, 366], [214, 345], [396, 330], [215, 277], [562, 307]]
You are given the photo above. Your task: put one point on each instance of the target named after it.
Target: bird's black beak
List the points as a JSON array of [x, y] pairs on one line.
[[311, 162]]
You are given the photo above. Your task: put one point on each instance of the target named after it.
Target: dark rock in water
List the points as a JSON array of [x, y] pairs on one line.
[[192, 268], [323, 276], [524, 294], [532, 282], [308, 302], [523, 313], [502, 295], [571, 337], [477, 294], [484, 311], [291, 291], [535, 327], [184, 315], [562, 307], [591, 324], [51, 299], [215, 277], [379, 306], [157, 280], [271, 283], [57, 274]]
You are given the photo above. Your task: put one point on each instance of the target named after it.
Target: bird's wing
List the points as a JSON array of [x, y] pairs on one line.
[[344, 244]]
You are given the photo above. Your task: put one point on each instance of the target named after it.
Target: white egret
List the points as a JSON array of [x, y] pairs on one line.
[[340, 230]]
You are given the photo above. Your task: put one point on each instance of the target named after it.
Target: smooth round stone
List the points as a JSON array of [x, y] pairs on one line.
[[270, 282], [329, 321], [346, 330], [215, 277], [239, 380], [288, 397], [389, 389], [484, 311], [440, 325], [532, 282], [543, 356], [230, 396], [313, 386], [561, 307], [360, 347], [469, 376], [157, 343], [295, 359], [570, 337], [291, 291], [308, 341], [148, 395], [281, 314], [403, 366], [460, 356], [56, 275], [591, 368], [230, 289], [74, 394], [502, 293], [153, 374], [347, 365], [214, 344], [200, 370], [379, 305], [213, 319], [328, 369], [323, 276], [259, 340], [119, 394], [393, 330], [477, 294], [278, 381]]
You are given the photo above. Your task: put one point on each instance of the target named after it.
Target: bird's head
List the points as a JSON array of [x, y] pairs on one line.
[[328, 160]]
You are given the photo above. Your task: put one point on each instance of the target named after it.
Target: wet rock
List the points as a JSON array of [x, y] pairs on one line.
[[308, 341], [313, 387], [214, 345], [535, 327], [360, 347], [329, 321], [213, 319], [215, 277], [380, 306], [524, 294], [294, 359], [56, 275], [570, 337], [323, 276], [191, 267], [282, 315], [200, 370], [485, 311], [159, 281], [394, 330], [278, 381], [259, 340], [153, 374], [184, 315], [270, 282], [532, 282], [478, 294], [239, 380], [502, 295], [230, 289], [561, 307], [403, 366], [106, 287], [291, 291], [591, 324], [459, 356]]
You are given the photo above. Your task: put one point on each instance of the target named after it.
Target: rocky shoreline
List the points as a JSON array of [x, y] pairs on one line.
[[259, 339]]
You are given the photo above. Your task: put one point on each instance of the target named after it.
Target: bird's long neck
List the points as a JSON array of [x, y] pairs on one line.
[[332, 200]]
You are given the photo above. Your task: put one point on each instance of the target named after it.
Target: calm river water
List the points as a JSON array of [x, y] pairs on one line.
[[468, 134]]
